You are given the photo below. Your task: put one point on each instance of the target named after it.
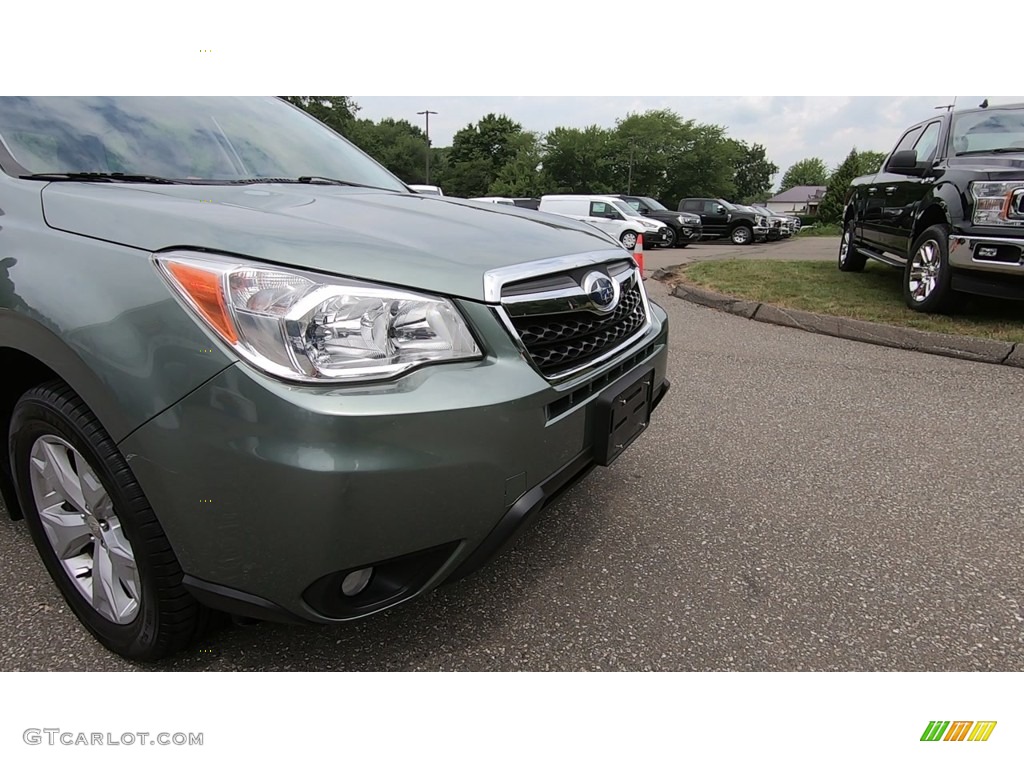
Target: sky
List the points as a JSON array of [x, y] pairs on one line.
[[790, 127], [396, 55]]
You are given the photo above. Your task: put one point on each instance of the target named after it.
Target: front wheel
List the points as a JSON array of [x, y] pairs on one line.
[[927, 277], [95, 531], [742, 235], [628, 240], [850, 259], [671, 241]]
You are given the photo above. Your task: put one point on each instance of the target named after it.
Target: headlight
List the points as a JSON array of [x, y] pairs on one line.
[[682, 220], [652, 227], [315, 328], [997, 203]]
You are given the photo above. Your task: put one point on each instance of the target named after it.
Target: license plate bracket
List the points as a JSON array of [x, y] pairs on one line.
[[621, 414]]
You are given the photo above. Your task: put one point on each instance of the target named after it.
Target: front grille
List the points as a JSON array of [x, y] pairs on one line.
[[562, 341]]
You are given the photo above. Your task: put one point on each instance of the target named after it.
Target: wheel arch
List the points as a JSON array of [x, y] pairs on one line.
[[935, 212], [942, 205], [30, 355]]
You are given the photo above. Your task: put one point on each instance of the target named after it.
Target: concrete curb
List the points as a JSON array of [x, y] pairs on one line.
[[961, 347]]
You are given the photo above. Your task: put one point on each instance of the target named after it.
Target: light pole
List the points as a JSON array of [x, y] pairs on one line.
[[427, 113]]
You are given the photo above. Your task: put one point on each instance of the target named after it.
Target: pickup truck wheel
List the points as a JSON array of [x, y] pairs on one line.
[[926, 277], [94, 530], [628, 240], [671, 241], [850, 259], [742, 235]]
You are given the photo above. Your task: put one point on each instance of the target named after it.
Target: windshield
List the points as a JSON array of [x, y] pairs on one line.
[[989, 130], [728, 206], [183, 138], [625, 210], [653, 204]]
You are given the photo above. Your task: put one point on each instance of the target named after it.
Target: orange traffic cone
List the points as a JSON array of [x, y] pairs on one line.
[[638, 255]]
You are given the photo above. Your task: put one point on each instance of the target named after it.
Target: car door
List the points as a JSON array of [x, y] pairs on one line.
[[606, 218], [908, 192], [714, 217], [878, 218]]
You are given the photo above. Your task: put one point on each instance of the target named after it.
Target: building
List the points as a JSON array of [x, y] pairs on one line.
[[797, 200]]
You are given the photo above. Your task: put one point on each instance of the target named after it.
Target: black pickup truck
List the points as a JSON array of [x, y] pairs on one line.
[[946, 207], [721, 218], [686, 227]]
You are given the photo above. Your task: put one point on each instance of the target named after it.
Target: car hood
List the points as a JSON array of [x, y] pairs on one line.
[[995, 167], [437, 244]]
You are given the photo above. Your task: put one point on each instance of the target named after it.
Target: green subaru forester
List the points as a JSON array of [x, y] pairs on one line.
[[244, 369]]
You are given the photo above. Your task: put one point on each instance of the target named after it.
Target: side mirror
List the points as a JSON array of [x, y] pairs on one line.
[[719, 209], [905, 160]]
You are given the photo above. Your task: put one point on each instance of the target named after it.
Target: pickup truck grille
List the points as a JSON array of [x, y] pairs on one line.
[[559, 328]]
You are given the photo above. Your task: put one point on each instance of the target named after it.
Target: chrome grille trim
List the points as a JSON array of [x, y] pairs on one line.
[[546, 306]]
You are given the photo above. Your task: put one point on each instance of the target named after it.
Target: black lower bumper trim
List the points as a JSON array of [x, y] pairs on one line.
[[237, 603], [522, 512], [994, 285], [529, 506]]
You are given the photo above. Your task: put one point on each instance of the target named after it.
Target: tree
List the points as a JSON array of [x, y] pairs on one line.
[[582, 160], [809, 172], [832, 204], [705, 166], [484, 148], [398, 145], [339, 112], [754, 172], [870, 162], [646, 146], [524, 174]]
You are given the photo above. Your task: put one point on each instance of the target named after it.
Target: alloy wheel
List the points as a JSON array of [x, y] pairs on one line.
[[78, 518], [924, 270]]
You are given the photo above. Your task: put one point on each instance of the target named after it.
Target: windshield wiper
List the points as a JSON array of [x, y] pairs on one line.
[[996, 151], [96, 176], [304, 180], [328, 180]]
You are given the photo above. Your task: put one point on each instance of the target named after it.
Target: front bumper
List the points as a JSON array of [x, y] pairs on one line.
[[661, 237], [761, 233], [987, 265], [987, 254], [689, 234], [269, 492]]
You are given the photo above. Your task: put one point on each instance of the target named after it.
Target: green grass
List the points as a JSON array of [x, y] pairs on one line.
[[821, 230], [876, 294]]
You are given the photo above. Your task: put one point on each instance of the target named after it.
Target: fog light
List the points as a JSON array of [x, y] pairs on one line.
[[356, 582]]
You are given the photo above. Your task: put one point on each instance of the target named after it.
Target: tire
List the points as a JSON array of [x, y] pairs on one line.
[[139, 609], [850, 259], [628, 240], [741, 235], [927, 276], [672, 238]]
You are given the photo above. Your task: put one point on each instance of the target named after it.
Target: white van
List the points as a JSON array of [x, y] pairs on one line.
[[609, 214], [426, 189]]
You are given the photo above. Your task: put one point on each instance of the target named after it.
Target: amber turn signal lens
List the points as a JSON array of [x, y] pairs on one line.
[[204, 288]]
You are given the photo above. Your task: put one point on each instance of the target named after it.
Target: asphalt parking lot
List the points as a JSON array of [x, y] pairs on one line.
[[800, 502]]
